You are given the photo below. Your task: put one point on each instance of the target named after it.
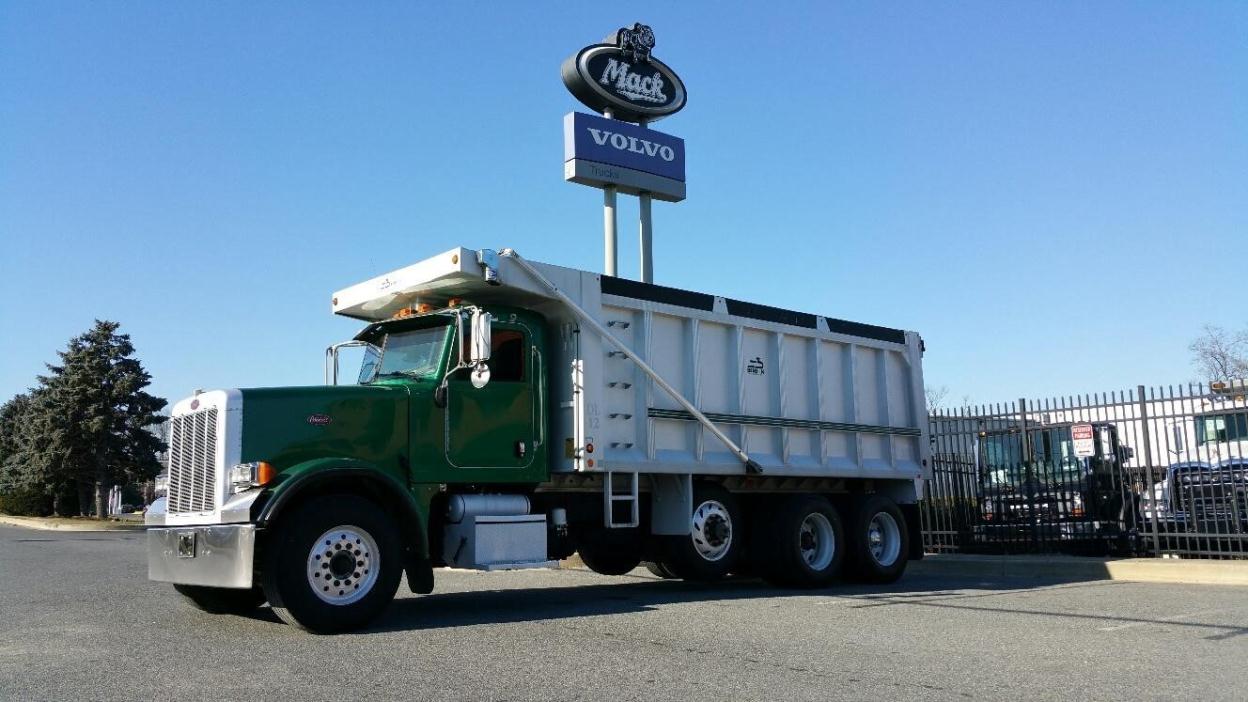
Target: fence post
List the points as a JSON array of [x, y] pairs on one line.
[[1148, 470], [1029, 483]]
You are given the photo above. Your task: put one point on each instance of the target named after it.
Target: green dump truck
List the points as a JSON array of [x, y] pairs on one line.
[[509, 414]]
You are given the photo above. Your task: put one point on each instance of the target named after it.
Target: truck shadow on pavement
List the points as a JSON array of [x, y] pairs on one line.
[[643, 594]]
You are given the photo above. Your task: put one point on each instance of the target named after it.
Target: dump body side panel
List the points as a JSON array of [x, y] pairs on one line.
[[803, 394]]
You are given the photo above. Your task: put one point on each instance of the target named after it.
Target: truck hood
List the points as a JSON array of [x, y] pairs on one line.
[[290, 425]]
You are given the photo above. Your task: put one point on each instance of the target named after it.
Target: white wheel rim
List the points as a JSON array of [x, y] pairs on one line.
[[884, 539], [817, 541], [343, 565], [711, 530]]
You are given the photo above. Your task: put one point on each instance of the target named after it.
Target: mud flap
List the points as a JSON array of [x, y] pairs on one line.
[[915, 530], [419, 575]]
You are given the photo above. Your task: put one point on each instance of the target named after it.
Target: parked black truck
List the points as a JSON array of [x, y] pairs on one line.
[[1040, 489]]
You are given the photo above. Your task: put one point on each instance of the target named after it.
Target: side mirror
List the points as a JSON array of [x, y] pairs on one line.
[[479, 352], [480, 349], [371, 358]]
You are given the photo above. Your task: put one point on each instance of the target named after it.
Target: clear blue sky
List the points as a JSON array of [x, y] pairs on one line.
[[1054, 194]]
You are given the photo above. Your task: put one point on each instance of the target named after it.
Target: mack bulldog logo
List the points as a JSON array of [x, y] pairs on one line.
[[636, 42], [621, 75]]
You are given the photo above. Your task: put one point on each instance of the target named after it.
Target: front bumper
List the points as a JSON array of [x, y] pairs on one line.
[[1062, 531], [214, 556]]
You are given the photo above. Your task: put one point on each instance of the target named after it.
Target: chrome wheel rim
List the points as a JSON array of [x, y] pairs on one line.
[[343, 565], [817, 541], [884, 539], [711, 530]]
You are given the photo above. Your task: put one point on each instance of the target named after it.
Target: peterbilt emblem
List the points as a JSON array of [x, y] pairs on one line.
[[621, 75], [319, 420]]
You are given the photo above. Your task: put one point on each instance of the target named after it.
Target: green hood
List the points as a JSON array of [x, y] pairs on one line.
[[288, 426]]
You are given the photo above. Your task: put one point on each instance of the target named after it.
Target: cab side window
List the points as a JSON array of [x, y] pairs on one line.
[[507, 356]]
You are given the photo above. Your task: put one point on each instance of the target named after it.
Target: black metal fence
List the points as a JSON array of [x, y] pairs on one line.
[[1159, 471]]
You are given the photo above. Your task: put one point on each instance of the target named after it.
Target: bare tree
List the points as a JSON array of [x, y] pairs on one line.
[[1219, 354], [935, 397]]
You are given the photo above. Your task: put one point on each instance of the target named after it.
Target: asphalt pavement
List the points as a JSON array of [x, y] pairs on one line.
[[79, 620]]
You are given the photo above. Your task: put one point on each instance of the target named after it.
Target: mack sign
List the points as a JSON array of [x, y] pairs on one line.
[[621, 75]]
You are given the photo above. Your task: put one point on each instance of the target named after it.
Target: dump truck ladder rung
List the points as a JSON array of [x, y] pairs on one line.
[[609, 500]]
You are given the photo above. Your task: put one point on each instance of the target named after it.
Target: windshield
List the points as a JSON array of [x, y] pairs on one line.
[[1052, 452], [1221, 428], [411, 353]]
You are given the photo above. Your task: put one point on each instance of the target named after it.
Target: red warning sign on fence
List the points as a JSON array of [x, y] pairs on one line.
[[1082, 435]]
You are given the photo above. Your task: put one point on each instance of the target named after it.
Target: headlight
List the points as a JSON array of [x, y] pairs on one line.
[[246, 476], [161, 484]]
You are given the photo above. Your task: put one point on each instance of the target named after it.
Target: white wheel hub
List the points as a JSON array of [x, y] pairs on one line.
[[711, 530], [884, 539], [343, 565], [817, 541]]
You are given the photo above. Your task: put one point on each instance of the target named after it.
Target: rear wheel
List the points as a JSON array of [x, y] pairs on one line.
[[609, 551], [222, 600], [332, 565], [801, 545], [879, 542], [714, 543], [657, 568]]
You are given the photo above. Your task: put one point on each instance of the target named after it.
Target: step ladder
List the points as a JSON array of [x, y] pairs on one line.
[[610, 499]]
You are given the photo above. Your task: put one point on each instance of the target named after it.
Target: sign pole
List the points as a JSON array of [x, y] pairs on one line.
[[610, 244], [622, 80], [647, 230]]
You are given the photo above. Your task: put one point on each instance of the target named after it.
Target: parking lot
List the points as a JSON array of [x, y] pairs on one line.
[[79, 620]]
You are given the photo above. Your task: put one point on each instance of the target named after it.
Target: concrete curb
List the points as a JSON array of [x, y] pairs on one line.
[[64, 524], [1147, 570]]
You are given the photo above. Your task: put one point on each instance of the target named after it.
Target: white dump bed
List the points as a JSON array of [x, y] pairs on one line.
[[802, 394]]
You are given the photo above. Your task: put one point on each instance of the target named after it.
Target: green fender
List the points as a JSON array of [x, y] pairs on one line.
[[354, 476]]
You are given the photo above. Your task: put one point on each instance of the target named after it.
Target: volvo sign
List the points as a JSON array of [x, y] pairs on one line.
[[620, 76], [598, 152]]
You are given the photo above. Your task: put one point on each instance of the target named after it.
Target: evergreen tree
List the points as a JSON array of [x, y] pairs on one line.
[[12, 414], [18, 492], [92, 417]]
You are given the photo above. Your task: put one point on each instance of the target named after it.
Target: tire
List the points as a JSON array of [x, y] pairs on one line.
[[315, 544], [609, 551], [659, 569], [879, 542], [715, 540], [801, 545], [222, 600]]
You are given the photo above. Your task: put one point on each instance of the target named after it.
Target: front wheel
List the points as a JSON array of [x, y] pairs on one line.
[[332, 565], [222, 600]]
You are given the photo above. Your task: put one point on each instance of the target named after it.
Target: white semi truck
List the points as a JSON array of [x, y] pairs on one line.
[[510, 413]]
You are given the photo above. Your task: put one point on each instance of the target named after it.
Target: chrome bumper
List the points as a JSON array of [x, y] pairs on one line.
[[215, 556]]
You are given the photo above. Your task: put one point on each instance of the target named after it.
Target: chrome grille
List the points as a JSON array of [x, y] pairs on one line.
[[193, 462]]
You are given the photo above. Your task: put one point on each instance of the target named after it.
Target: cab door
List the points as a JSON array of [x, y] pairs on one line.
[[496, 426]]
